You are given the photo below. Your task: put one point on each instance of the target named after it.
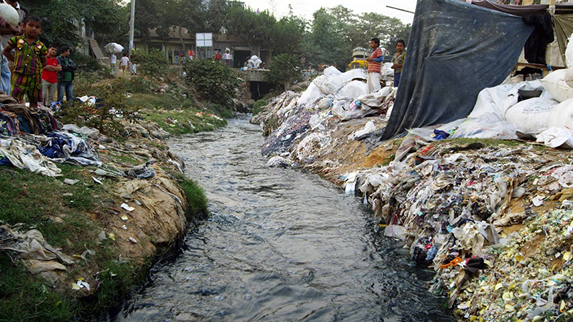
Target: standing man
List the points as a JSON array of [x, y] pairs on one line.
[[374, 68], [170, 56], [5, 35], [66, 75], [50, 77]]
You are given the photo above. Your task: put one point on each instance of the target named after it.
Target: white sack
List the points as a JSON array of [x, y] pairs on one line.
[[485, 128], [531, 115], [331, 71], [9, 14], [555, 84], [562, 115], [493, 102], [113, 48], [311, 94], [353, 90]]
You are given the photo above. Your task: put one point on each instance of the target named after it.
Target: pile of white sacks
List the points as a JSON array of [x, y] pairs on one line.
[[548, 117]]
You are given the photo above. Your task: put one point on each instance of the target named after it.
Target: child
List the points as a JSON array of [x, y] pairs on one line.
[[123, 63], [398, 61], [29, 59]]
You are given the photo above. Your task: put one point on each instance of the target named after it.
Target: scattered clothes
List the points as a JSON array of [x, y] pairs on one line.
[[142, 171]]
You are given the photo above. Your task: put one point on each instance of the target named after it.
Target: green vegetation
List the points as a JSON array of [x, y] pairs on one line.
[[152, 63], [195, 195], [180, 121], [212, 80], [284, 69], [258, 106], [61, 215]]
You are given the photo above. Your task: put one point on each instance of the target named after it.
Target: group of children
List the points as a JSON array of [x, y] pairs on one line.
[[33, 62]]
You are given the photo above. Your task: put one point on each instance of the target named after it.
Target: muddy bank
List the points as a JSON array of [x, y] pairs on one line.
[[491, 217]]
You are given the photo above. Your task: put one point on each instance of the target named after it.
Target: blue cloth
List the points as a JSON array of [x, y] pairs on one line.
[[440, 135], [5, 76], [378, 59]]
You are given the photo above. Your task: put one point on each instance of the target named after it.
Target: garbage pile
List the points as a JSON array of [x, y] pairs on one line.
[[458, 207]]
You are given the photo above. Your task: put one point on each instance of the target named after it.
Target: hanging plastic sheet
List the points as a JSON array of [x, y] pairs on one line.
[[455, 50]]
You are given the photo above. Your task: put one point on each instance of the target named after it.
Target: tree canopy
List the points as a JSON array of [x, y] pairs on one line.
[[62, 20], [327, 38]]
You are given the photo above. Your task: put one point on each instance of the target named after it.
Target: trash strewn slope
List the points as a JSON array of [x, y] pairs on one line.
[[491, 217]]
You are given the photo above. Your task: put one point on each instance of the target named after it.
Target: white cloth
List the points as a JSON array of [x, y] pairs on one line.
[[112, 59], [373, 83]]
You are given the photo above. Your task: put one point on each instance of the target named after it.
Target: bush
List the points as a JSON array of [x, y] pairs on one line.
[[258, 106], [102, 116], [213, 81], [153, 63]]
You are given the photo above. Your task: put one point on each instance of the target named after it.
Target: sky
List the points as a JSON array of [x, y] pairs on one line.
[[306, 8]]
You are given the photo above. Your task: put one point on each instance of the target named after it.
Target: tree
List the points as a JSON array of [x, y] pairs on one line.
[[251, 27], [326, 42], [212, 80], [286, 35], [284, 69], [61, 19]]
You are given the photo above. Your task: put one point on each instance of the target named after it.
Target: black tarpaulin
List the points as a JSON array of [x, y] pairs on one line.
[[455, 50]]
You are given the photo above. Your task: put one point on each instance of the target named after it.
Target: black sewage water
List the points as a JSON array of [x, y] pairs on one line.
[[279, 245]]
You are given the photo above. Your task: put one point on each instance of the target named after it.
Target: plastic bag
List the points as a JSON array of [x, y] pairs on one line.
[[556, 137], [395, 231], [368, 128]]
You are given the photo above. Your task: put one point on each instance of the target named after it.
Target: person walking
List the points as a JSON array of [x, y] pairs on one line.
[[124, 63], [50, 77], [66, 75], [374, 68]]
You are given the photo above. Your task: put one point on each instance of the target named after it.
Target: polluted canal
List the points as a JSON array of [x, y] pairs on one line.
[[279, 245]]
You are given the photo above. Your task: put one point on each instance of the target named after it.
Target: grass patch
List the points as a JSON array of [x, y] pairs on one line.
[[258, 106], [195, 195], [70, 217], [23, 298], [182, 121]]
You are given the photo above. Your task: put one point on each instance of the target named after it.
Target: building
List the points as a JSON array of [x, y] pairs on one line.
[[181, 40]]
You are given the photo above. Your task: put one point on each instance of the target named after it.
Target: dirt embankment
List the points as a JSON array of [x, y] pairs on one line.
[[89, 235]]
